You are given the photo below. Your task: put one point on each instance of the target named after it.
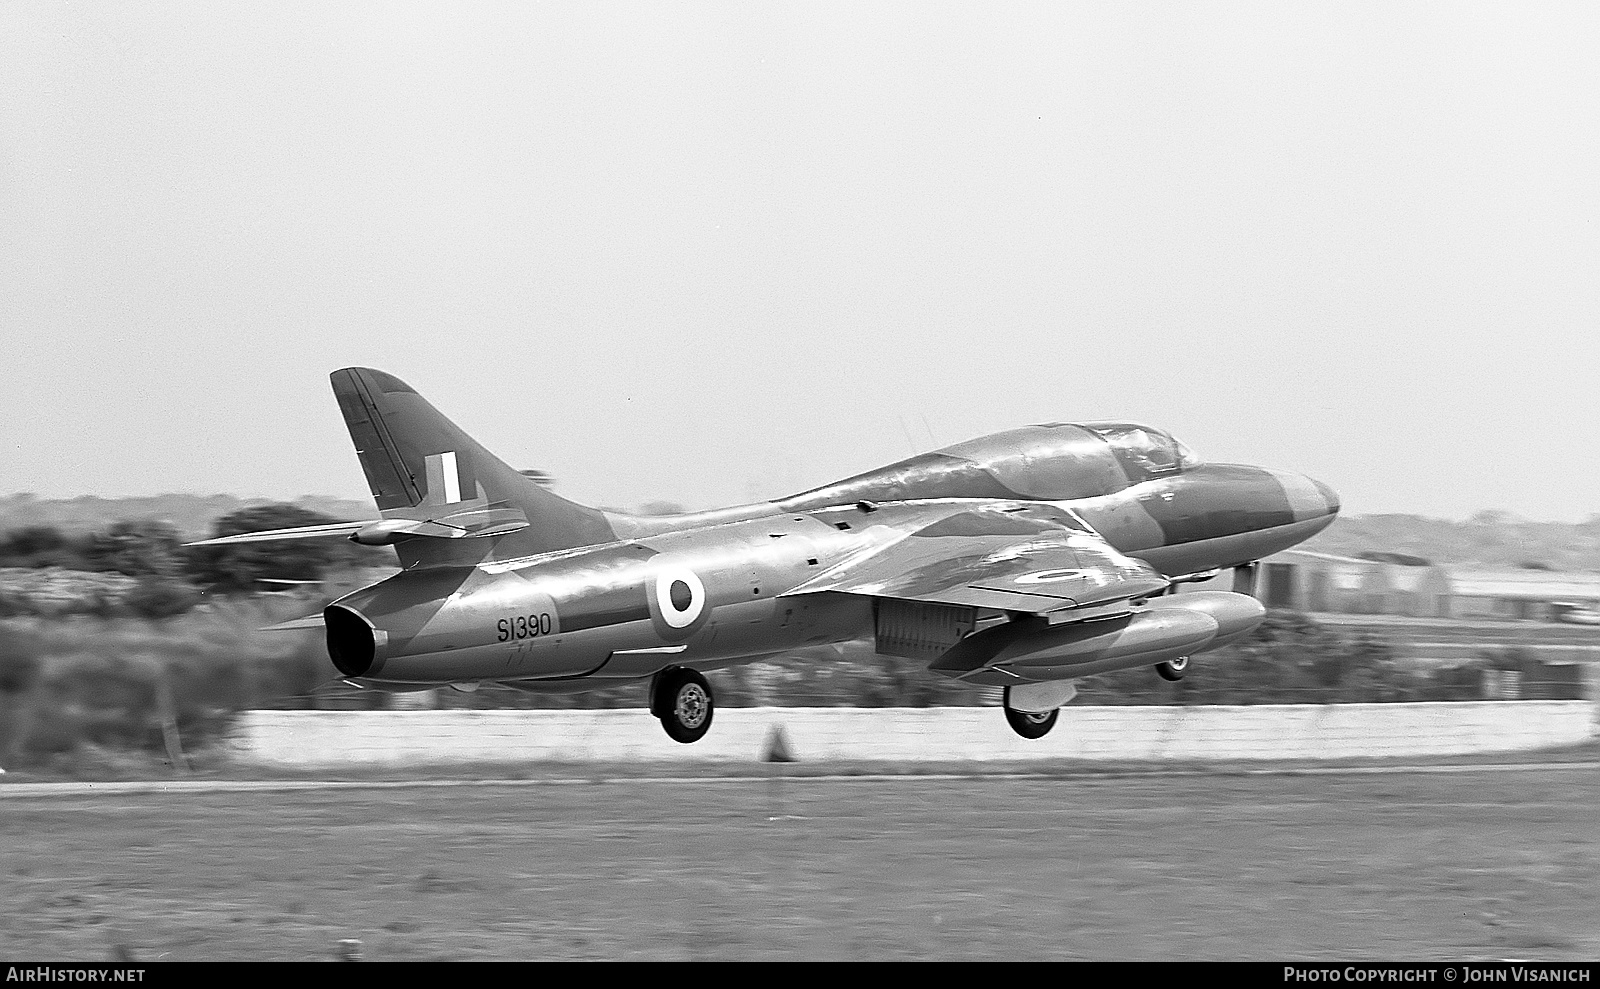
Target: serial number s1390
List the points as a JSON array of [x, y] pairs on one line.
[[524, 626]]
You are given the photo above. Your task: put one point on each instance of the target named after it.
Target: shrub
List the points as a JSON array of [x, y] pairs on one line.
[[160, 597]]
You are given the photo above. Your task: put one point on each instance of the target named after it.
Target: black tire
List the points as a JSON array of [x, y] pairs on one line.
[[1173, 669], [684, 703], [1030, 725]]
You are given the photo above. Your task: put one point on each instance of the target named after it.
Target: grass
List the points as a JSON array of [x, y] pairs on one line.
[[1468, 865]]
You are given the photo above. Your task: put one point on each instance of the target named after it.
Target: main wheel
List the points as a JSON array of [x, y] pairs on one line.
[[1031, 725], [684, 703], [1173, 669]]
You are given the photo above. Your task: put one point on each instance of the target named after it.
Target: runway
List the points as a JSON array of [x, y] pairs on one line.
[[1418, 862], [185, 786]]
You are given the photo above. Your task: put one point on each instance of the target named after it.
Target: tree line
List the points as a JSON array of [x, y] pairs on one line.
[[171, 577]]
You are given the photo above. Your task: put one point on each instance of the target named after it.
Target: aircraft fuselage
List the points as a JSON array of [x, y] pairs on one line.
[[709, 588]]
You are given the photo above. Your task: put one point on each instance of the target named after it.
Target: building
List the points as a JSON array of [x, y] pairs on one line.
[[1394, 584], [1539, 595]]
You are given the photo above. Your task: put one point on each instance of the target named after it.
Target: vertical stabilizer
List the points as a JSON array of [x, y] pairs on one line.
[[422, 466]]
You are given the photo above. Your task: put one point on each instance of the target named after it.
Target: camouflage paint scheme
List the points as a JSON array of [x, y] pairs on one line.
[[1042, 554]]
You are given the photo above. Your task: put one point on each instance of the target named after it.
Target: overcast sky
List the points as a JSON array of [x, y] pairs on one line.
[[712, 252]]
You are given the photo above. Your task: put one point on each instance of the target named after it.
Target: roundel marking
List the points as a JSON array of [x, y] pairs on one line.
[[1050, 576], [680, 596]]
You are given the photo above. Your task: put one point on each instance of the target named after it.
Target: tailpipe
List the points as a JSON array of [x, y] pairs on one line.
[[353, 643]]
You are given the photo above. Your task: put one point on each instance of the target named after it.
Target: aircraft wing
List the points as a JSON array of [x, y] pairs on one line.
[[985, 557]]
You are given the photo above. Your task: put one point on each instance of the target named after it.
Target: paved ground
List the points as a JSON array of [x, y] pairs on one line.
[[1462, 639], [1471, 863]]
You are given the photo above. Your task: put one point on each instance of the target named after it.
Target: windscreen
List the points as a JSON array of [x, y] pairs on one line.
[[1145, 452]]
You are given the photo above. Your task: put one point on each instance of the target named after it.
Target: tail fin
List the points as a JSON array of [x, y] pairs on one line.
[[421, 466]]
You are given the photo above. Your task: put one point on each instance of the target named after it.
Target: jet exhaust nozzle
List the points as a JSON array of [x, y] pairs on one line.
[[352, 641]]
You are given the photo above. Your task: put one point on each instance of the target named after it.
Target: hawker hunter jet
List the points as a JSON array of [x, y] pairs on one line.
[[1022, 560]]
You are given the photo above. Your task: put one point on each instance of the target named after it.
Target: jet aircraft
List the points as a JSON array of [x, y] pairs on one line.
[[1023, 560]]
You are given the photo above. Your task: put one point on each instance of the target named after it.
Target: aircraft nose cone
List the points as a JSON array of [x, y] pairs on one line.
[[1328, 495]]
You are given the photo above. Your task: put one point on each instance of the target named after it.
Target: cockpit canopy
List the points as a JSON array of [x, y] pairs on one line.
[[1057, 461], [1144, 451]]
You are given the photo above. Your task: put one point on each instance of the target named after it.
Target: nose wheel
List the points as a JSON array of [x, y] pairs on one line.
[[682, 699], [1173, 669]]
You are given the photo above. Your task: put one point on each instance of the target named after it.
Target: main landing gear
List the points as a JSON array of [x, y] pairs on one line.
[[1032, 709], [1173, 669], [1031, 725], [682, 699]]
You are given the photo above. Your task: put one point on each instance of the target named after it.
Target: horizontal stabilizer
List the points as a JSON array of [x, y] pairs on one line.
[[459, 525], [295, 624], [299, 532], [475, 522], [383, 532]]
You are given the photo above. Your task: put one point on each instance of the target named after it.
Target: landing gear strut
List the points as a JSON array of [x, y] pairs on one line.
[[1173, 669], [682, 699]]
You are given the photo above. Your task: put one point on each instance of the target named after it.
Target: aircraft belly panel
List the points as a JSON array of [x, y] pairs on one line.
[[487, 663]]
